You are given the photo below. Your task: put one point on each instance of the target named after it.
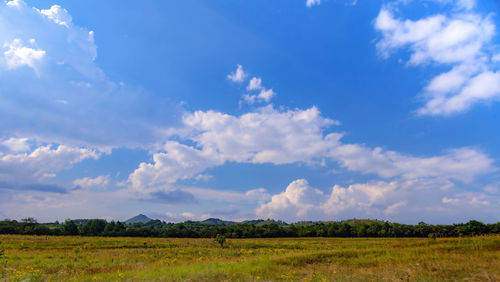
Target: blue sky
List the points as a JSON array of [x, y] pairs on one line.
[[293, 110]]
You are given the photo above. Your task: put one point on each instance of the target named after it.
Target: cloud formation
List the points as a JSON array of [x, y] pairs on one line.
[[238, 75], [431, 198], [264, 95], [461, 39], [40, 164], [268, 135], [54, 92], [18, 55]]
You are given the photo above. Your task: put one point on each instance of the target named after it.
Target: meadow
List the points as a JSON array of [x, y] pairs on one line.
[[41, 258]]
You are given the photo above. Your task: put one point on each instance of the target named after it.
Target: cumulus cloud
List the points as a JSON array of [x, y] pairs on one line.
[[437, 38], [88, 182], [255, 84], [461, 40], [57, 38], [268, 135], [57, 14], [238, 75], [413, 200], [264, 95], [484, 86], [265, 136], [18, 55], [41, 163], [298, 201], [179, 161]]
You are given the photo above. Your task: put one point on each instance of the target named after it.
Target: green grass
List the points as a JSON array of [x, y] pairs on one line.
[[285, 259]]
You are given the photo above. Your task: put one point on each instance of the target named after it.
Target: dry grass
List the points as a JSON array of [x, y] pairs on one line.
[[317, 259]]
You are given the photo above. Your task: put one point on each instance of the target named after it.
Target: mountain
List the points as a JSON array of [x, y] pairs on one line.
[[216, 221], [138, 219]]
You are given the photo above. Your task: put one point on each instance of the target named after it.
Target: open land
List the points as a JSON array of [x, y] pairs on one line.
[[36, 258]]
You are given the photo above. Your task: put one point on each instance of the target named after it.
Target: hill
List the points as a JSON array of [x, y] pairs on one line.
[[138, 219], [217, 221]]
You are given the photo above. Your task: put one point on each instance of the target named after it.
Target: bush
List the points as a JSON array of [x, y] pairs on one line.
[[220, 239]]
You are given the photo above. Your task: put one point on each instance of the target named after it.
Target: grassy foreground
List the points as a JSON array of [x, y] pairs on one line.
[[319, 259]]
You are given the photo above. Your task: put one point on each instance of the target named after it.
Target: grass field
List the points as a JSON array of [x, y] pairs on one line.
[[317, 259]]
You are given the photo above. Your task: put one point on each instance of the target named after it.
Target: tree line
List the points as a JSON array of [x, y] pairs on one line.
[[191, 229]]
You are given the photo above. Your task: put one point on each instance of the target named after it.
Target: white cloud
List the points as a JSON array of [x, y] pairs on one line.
[[15, 3], [178, 162], [88, 182], [410, 200], [482, 87], [18, 55], [57, 14], [238, 76], [435, 38], [264, 136], [255, 84], [69, 100], [16, 144], [264, 95], [298, 201], [272, 136], [42, 162], [461, 40], [310, 3], [462, 164], [59, 40]]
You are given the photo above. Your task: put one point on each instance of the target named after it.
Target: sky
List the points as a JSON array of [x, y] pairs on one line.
[[288, 109]]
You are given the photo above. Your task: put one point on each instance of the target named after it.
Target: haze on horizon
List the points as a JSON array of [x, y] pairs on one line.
[[290, 110]]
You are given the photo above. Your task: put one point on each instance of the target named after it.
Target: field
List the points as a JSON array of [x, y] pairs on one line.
[[38, 258]]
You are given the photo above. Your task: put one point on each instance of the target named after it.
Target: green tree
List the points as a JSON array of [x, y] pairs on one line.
[[70, 228], [93, 227], [220, 239], [28, 225]]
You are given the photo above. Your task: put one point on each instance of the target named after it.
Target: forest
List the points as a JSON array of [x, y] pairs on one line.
[[249, 229]]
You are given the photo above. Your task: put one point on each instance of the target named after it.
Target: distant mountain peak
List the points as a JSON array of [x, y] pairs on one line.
[[140, 218]]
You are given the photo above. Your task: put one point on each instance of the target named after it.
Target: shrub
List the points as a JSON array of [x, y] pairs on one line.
[[220, 239]]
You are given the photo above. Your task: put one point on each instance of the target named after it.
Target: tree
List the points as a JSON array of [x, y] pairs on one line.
[[28, 225], [70, 228], [93, 227], [220, 239]]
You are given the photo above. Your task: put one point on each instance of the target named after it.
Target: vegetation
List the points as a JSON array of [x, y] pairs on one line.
[[220, 239], [64, 258], [249, 229]]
